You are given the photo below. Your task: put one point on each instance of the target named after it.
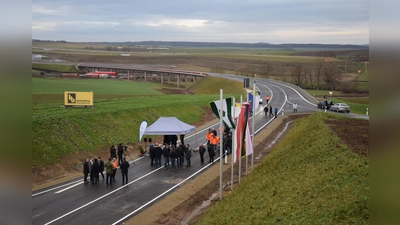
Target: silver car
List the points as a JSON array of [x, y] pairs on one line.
[[340, 107]]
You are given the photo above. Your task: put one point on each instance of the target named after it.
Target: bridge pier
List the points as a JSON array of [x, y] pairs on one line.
[[185, 80]]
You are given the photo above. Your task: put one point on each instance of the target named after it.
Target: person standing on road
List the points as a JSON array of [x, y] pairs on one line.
[[101, 167], [202, 150], [120, 152], [188, 155], [113, 152], [228, 142], [179, 155], [173, 156], [266, 111], [276, 112], [158, 153], [211, 154], [165, 152], [109, 172], [94, 172], [124, 171], [270, 111], [208, 138], [152, 155], [115, 166], [267, 99], [295, 107], [86, 171]]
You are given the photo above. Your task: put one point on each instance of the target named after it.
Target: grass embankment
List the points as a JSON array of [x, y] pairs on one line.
[[119, 108], [55, 67], [307, 179]]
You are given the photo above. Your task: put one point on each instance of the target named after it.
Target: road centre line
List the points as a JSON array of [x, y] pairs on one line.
[[79, 183], [97, 199], [51, 189]]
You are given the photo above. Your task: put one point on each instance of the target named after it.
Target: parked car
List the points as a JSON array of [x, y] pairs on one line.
[[340, 107], [322, 104]]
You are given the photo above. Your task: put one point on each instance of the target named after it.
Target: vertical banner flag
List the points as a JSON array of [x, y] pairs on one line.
[[142, 128], [246, 118], [250, 97], [226, 111], [249, 143], [240, 131]]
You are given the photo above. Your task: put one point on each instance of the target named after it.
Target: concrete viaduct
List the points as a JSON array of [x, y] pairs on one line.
[[134, 72]]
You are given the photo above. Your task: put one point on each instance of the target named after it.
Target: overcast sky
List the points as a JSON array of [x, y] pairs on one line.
[[249, 21]]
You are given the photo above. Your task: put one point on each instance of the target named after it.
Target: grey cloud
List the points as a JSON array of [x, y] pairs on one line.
[[222, 19]]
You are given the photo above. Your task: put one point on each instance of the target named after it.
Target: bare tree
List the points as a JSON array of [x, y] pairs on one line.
[[266, 70], [318, 71], [297, 74], [279, 72], [332, 75], [309, 75]]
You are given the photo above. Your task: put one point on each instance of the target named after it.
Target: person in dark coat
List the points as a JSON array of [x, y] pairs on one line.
[[228, 143], [120, 153], [101, 167], [266, 111], [94, 172], [166, 151], [113, 152], [152, 155], [211, 154], [270, 111], [124, 171], [188, 155], [179, 155], [158, 153], [173, 155], [202, 150], [86, 171]]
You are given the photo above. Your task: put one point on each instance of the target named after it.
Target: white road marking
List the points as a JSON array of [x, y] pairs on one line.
[[69, 187], [164, 193], [97, 199], [51, 189]]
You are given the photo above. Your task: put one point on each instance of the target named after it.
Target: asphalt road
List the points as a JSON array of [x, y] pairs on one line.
[[73, 202]]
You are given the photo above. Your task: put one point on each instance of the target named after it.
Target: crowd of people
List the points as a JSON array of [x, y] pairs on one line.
[[174, 156], [94, 167]]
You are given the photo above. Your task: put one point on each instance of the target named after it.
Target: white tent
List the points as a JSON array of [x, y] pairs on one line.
[[169, 126]]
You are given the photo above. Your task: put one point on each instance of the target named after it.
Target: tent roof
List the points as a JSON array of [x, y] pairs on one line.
[[169, 126]]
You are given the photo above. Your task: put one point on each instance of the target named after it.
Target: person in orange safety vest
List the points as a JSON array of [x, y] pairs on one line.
[[267, 98]]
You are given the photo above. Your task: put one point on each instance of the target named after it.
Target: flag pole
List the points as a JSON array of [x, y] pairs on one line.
[[246, 122], [233, 149], [240, 145], [220, 145], [252, 126]]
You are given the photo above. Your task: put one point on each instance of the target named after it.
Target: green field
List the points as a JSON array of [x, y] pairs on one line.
[[306, 179], [100, 86]]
